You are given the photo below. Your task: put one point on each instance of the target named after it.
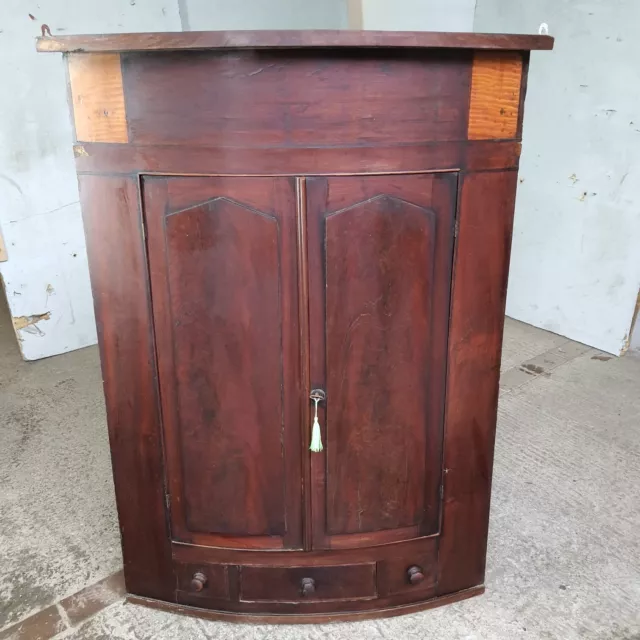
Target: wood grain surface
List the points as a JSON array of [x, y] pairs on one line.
[[481, 269], [171, 159], [119, 280], [291, 39], [264, 222], [379, 261], [192, 610], [299, 99], [495, 95], [98, 97], [222, 260], [347, 582]]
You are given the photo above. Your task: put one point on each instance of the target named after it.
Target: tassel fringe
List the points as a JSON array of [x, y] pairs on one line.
[[316, 437]]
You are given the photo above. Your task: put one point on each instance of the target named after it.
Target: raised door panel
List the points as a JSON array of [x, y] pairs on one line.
[[222, 261], [380, 251], [377, 345]]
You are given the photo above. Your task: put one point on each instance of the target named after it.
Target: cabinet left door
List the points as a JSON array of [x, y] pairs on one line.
[[223, 273]]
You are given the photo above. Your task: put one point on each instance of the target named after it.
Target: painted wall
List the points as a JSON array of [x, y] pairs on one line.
[[575, 263], [202, 15], [418, 15], [46, 276], [635, 332]]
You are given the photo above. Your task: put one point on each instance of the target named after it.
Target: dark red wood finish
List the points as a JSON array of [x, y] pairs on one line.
[[280, 221], [380, 250], [481, 272], [391, 562], [320, 38], [119, 279], [195, 611], [418, 158], [222, 257], [350, 93], [290, 584]]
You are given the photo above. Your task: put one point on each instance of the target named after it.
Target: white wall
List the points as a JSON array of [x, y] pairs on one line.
[[418, 15], [575, 261], [203, 15], [46, 272], [635, 332], [46, 277]]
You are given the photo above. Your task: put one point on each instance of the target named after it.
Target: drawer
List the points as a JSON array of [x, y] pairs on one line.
[[308, 584], [203, 580], [412, 571]]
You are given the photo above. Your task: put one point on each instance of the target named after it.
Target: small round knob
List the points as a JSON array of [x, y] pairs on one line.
[[307, 586], [198, 582], [415, 574]]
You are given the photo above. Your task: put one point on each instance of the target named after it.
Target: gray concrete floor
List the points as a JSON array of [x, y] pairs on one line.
[[564, 546]]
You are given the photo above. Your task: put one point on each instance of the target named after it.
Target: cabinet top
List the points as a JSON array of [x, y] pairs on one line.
[[290, 40]]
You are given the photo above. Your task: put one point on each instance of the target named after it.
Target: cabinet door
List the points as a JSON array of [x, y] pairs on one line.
[[379, 268], [222, 259]]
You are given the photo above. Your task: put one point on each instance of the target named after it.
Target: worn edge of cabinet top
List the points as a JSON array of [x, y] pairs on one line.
[[290, 39]]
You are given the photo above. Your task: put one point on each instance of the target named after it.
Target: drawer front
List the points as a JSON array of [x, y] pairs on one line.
[[414, 571], [308, 584], [203, 580]]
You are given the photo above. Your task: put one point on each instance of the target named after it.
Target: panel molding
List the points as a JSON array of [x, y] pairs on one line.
[[496, 81], [429, 201], [428, 211], [223, 414], [401, 216], [209, 203], [97, 96], [231, 523]]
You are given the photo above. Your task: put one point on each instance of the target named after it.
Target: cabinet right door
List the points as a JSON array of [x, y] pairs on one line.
[[380, 254]]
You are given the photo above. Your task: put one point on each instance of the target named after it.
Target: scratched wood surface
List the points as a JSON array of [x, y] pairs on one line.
[[97, 97]]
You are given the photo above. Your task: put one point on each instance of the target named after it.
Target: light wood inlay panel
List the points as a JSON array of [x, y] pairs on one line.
[[98, 97], [495, 95]]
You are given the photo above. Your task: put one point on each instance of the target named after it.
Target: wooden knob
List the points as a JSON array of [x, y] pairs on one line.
[[307, 586], [198, 582], [415, 574]]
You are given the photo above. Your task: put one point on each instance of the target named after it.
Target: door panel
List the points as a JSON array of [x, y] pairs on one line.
[[379, 273], [380, 251], [222, 261]]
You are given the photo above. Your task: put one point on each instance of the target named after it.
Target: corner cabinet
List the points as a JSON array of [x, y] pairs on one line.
[[299, 244]]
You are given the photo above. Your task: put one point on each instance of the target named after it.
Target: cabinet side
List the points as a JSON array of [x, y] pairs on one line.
[[481, 268], [119, 280]]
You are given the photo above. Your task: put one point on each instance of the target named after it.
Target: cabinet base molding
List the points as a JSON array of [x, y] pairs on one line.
[[307, 618]]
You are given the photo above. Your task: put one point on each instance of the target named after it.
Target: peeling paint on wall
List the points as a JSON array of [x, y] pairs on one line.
[[39, 211], [29, 323]]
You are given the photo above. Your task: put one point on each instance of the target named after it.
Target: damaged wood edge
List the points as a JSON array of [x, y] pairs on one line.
[[22, 322], [4, 256]]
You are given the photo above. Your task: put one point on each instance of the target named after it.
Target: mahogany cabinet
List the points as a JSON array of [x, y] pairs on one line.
[[279, 221]]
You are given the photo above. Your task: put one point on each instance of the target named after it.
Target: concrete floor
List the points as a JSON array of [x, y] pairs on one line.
[[564, 546]]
